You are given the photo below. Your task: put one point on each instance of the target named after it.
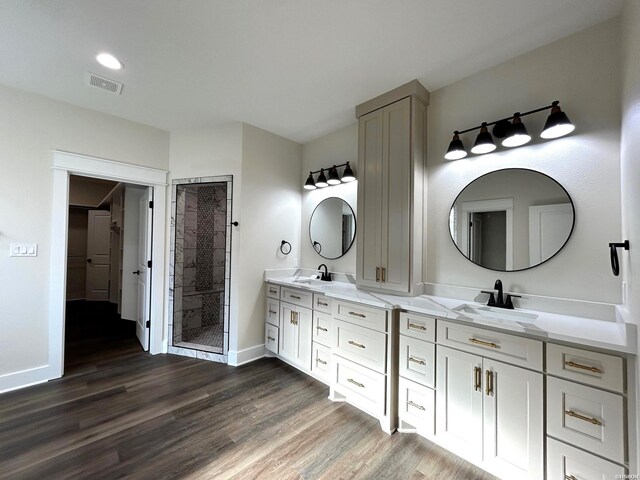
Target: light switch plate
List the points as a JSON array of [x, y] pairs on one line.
[[23, 250]]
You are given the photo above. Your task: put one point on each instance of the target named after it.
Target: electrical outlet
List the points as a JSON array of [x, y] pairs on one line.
[[23, 250]]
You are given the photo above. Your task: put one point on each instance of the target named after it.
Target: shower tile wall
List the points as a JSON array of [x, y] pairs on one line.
[[200, 275]]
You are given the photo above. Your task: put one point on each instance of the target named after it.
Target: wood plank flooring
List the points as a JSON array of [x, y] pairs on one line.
[[122, 413]]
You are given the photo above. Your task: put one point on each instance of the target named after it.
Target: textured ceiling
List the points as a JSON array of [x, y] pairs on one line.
[[293, 67]]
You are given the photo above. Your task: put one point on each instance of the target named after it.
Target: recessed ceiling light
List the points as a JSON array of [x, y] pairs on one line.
[[109, 61]]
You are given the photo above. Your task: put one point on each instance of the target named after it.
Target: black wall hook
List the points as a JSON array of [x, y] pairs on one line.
[[284, 250], [613, 250]]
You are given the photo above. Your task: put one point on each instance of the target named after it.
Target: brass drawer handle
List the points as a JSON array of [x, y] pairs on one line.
[[489, 382], [321, 328], [571, 364], [356, 314], [357, 384], [417, 360], [271, 290], [377, 274], [321, 361], [593, 421], [271, 338], [417, 327], [483, 343], [295, 296], [477, 376], [356, 344], [323, 304], [570, 477], [419, 407], [272, 312]]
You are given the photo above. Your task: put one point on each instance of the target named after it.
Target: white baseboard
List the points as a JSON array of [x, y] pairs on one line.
[[240, 357], [25, 378]]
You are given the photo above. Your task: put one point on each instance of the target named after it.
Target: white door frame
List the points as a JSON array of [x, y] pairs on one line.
[[64, 165]]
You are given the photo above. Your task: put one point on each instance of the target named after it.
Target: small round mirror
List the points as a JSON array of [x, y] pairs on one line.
[[332, 228], [511, 219]]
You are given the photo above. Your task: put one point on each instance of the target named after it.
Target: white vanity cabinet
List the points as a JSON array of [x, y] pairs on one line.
[[391, 152], [362, 354], [490, 399]]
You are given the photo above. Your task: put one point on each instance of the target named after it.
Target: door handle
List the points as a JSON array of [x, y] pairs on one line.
[[477, 373], [377, 274], [383, 274], [137, 272], [489, 381]]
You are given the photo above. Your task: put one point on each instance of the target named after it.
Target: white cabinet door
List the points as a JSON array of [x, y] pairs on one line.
[[396, 195], [295, 335], [369, 238], [288, 332], [459, 402], [304, 337], [513, 421]]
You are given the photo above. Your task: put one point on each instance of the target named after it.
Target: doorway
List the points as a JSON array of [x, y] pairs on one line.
[[153, 181]]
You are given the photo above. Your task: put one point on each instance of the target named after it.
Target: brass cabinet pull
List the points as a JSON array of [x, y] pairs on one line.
[[570, 477], [294, 296], [419, 407], [357, 384], [356, 344], [355, 314], [483, 343], [477, 379], [377, 274], [320, 361], [294, 318], [384, 271], [417, 360], [321, 328], [271, 290], [571, 364], [489, 381], [271, 338], [591, 420], [417, 327], [323, 304], [272, 312]]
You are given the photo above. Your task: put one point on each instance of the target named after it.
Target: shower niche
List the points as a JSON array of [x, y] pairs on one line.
[[200, 263]]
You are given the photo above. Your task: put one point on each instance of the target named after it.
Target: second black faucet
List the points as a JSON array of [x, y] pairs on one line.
[[325, 276]]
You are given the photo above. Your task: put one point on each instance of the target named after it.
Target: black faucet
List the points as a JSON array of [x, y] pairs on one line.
[[326, 276], [498, 300]]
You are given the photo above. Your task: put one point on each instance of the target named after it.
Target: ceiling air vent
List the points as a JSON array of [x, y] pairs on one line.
[[104, 83]]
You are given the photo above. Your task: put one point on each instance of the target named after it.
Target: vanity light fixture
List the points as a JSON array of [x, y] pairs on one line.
[[512, 130], [334, 177]]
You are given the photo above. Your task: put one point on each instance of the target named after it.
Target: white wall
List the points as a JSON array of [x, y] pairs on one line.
[[32, 126], [335, 148], [582, 71], [630, 173], [269, 213]]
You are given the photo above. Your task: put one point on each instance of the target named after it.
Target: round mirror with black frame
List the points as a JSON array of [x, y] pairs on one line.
[[511, 219], [332, 228]]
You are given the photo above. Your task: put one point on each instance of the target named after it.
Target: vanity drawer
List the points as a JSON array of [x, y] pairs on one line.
[[363, 387], [273, 312], [565, 462], [416, 406], [321, 303], [360, 345], [367, 317], [271, 338], [598, 369], [273, 291], [297, 297], [417, 361], [321, 362], [418, 326], [519, 351], [322, 328], [586, 417]]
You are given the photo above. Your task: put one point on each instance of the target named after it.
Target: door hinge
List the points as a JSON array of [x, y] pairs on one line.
[[151, 204], [149, 264], [148, 324]]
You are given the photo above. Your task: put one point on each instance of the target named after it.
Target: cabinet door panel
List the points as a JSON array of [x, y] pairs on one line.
[[396, 195], [288, 332], [513, 421], [459, 403], [304, 338], [369, 236]]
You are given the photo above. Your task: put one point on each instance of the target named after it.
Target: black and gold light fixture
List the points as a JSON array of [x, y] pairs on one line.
[[334, 177], [512, 130]]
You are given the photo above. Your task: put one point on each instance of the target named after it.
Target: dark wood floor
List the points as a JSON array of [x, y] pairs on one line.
[[121, 413]]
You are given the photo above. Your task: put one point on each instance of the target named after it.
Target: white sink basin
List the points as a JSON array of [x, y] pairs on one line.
[[498, 315], [312, 281]]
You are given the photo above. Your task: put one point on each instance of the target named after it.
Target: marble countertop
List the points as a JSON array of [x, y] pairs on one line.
[[609, 335]]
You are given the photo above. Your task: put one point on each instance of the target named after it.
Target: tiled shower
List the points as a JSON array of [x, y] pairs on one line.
[[201, 267]]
